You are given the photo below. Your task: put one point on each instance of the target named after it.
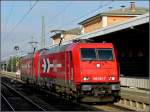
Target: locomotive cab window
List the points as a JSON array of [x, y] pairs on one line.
[[105, 54], [88, 54], [96, 54]]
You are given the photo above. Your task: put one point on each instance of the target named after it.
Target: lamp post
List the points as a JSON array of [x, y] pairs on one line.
[[16, 48], [11, 63]]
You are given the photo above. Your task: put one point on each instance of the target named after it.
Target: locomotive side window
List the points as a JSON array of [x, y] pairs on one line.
[[105, 54], [88, 54]]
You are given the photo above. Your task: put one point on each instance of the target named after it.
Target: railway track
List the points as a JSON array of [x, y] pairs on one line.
[[16, 101], [66, 105], [111, 108], [63, 104], [6, 105]]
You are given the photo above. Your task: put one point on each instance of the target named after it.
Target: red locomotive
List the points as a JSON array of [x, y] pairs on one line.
[[85, 71]]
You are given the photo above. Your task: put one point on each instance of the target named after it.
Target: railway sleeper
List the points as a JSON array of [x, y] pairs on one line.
[[134, 105]]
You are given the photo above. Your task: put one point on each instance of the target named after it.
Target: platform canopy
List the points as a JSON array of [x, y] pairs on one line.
[[131, 23]]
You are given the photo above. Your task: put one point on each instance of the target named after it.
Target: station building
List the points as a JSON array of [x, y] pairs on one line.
[[128, 29], [67, 35], [111, 17]]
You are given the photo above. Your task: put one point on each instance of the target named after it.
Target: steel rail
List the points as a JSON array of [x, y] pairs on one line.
[[89, 106], [24, 97], [115, 108], [10, 106]]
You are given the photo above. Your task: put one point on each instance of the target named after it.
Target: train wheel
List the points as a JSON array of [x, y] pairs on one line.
[[69, 97], [53, 88], [76, 98], [65, 95], [27, 81], [60, 94], [117, 99]]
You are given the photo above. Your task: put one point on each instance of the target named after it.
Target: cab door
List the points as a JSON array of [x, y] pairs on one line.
[[36, 65], [69, 68]]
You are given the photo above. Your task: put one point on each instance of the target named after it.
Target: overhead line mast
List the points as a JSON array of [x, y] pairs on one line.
[[43, 33]]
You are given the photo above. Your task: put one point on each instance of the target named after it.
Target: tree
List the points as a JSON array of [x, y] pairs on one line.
[[9, 64], [13, 64]]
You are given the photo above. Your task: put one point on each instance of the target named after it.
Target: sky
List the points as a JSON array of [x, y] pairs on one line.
[[21, 21]]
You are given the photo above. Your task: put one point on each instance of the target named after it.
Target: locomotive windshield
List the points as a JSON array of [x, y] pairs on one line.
[[96, 54], [88, 54]]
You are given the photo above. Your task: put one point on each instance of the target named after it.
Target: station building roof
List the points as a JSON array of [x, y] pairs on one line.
[[119, 12], [74, 31], [130, 23]]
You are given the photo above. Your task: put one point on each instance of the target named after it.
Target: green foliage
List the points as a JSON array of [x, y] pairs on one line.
[[13, 64], [9, 65]]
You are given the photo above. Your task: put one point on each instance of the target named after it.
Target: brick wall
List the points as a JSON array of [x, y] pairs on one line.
[[117, 19], [56, 39], [66, 37], [92, 25], [97, 22]]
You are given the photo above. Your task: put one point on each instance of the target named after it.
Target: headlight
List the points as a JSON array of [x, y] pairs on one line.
[[85, 78], [111, 78]]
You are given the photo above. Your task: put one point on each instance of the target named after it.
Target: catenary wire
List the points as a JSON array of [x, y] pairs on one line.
[[21, 20], [61, 12], [10, 13], [80, 17]]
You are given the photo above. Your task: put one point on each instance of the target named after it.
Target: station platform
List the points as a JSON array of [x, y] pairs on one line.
[[135, 82], [135, 94]]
